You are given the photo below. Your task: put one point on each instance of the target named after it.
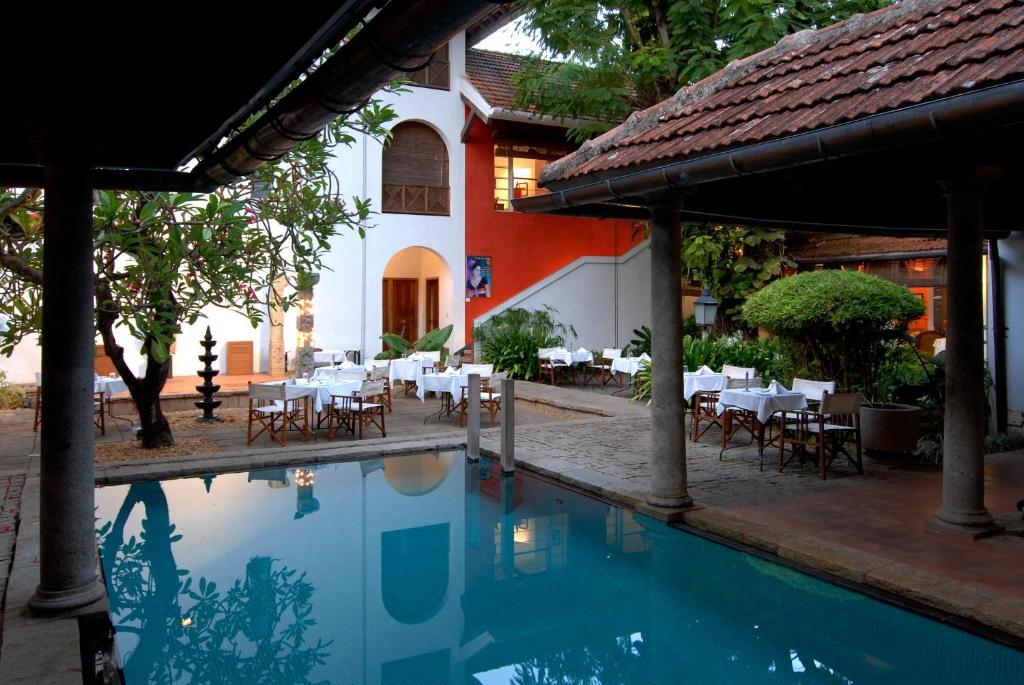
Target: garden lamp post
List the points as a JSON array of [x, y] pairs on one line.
[[705, 310]]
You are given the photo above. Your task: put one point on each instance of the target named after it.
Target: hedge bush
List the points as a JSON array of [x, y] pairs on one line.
[[838, 324], [510, 340]]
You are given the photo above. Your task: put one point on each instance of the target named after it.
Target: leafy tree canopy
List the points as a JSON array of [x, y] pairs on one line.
[[615, 56]]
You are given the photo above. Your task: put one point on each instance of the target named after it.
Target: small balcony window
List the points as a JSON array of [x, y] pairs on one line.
[[517, 168]]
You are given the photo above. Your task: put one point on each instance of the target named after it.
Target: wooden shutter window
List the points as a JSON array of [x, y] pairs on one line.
[[436, 74], [415, 171]]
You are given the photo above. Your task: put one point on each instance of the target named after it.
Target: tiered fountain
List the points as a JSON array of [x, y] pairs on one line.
[[208, 404]]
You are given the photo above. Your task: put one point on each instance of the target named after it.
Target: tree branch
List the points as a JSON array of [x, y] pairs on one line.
[[20, 266]]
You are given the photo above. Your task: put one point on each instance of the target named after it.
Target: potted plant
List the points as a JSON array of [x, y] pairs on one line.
[[891, 422]]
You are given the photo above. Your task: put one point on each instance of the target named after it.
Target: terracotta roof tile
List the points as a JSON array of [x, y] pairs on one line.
[[491, 74], [911, 52]]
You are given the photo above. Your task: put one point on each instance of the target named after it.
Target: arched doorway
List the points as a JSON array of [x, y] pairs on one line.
[[416, 293]]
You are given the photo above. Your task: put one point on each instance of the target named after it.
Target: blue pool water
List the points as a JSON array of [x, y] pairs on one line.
[[422, 569]]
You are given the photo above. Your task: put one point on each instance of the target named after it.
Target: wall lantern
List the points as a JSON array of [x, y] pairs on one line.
[[705, 308]]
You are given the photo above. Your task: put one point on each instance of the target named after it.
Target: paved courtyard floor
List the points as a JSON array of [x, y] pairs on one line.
[[868, 529]]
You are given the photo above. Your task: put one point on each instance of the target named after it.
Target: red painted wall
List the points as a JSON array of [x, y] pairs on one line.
[[524, 248]]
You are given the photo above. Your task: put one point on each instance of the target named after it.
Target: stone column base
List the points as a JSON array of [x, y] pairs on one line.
[[972, 532]]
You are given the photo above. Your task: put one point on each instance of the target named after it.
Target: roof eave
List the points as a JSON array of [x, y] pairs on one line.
[[933, 120]]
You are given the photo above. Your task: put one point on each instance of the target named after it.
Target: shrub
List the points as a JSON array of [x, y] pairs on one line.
[[510, 340], [836, 323], [11, 396], [432, 341]]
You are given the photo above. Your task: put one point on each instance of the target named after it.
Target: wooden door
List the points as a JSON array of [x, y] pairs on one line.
[[401, 300], [433, 304], [239, 361]]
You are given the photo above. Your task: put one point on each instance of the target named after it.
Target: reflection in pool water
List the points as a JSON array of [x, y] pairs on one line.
[[427, 570]]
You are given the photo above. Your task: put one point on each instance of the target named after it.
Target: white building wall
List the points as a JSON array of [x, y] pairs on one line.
[[1011, 253], [349, 298], [603, 298]]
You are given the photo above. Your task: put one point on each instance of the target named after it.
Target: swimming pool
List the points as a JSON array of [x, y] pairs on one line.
[[424, 569]]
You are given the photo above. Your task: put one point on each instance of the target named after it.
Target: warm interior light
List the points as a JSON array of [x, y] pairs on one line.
[[186, 622]]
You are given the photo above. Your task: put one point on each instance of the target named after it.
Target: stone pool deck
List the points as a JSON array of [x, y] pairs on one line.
[[862, 529]]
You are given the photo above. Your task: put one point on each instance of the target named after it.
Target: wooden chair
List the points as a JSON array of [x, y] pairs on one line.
[[926, 342], [366, 408], [270, 407], [382, 373], [601, 368], [705, 410], [490, 397], [814, 391], [549, 368], [826, 430]]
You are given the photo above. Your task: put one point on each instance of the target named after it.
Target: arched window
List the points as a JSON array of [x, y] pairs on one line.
[[415, 171]]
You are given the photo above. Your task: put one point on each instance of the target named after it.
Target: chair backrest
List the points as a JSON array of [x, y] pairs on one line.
[[352, 374], [267, 391], [482, 369], [39, 379], [371, 388], [611, 353], [378, 373], [813, 390], [454, 361], [841, 404], [544, 352], [432, 356], [926, 341], [495, 380], [738, 372]]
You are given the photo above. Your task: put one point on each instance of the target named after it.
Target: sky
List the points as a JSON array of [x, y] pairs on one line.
[[511, 39]]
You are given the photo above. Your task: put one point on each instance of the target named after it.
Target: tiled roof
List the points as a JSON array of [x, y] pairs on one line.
[[491, 74], [911, 52], [823, 247]]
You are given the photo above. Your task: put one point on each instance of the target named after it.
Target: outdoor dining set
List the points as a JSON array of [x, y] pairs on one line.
[[810, 420], [353, 397]]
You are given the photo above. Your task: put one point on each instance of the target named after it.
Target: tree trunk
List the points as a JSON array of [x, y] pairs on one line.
[[145, 391], [156, 431]]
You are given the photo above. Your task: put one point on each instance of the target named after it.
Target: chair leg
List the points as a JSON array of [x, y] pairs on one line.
[[248, 430], [383, 432], [39, 402]]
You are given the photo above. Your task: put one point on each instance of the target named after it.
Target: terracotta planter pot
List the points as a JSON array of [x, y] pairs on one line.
[[890, 428]]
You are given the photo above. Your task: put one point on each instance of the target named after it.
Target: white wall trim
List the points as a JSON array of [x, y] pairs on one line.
[[558, 275]]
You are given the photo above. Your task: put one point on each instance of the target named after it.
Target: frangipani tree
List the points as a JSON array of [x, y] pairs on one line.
[[160, 258]]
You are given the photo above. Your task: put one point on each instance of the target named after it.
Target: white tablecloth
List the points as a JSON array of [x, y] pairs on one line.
[[443, 382], [329, 356], [704, 382], [409, 370], [108, 386], [320, 393], [628, 365], [761, 401], [569, 358]]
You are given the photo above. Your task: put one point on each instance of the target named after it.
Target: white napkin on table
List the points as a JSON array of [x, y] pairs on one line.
[[347, 364], [645, 357], [775, 388], [451, 371], [705, 370], [582, 350]]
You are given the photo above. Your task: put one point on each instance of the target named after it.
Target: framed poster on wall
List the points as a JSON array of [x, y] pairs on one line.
[[478, 277]]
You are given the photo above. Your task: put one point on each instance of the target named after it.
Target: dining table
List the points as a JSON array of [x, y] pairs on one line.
[[703, 382], [756, 407]]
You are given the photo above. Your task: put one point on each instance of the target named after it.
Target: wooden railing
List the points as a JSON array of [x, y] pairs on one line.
[[410, 199]]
